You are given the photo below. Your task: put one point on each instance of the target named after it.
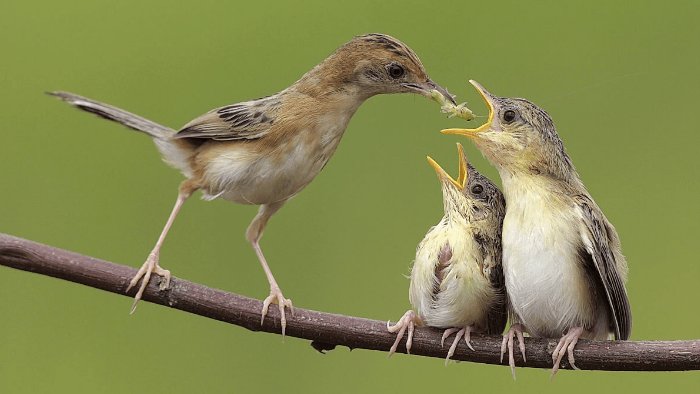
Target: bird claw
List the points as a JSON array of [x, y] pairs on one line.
[[407, 321], [508, 339], [149, 267], [566, 345], [276, 297], [465, 331]]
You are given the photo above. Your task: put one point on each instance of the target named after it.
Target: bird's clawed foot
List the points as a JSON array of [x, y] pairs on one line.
[[149, 267], [465, 331], [407, 321], [508, 339], [276, 297], [566, 345]]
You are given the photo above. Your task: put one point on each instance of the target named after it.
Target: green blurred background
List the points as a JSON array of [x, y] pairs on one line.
[[620, 80]]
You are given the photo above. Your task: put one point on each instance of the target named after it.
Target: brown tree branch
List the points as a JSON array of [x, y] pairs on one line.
[[328, 330]]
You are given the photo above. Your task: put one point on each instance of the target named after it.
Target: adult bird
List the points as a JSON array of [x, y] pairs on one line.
[[565, 273], [457, 279], [265, 151]]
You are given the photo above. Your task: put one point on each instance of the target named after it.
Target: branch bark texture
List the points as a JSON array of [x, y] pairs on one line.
[[327, 330]]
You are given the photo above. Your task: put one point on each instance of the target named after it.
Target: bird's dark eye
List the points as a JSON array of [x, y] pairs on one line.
[[395, 70], [477, 189], [509, 115]]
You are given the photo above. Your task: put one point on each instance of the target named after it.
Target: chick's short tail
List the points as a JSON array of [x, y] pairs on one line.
[[175, 152]]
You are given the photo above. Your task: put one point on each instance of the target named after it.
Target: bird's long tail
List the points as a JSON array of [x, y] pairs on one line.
[[116, 114], [175, 152]]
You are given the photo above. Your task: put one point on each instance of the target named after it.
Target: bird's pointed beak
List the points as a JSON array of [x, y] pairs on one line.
[[463, 170], [472, 133], [425, 88], [463, 167]]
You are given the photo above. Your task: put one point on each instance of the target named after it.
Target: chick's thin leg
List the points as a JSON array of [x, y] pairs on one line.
[[151, 265], [253, 234], [407, 321], [566, 344], [508, 339]]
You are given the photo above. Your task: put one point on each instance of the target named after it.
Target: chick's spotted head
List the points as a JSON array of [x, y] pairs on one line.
[[518, 134], [472, 196]]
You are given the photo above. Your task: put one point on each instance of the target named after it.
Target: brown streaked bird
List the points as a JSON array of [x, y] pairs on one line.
[[457, 279], [265, 151], [564, 269]]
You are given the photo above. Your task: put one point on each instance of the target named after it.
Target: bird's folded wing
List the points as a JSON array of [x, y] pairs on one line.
[[599, 238], [247, 120], [497, 316]]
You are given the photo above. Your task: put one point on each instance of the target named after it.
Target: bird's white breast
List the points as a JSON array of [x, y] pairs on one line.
[[247, 177], [545, 284]]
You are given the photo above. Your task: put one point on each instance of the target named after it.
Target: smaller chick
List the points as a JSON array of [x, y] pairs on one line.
[[457, 281]]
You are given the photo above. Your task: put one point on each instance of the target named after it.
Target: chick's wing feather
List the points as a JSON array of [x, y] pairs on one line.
[[601, 242]]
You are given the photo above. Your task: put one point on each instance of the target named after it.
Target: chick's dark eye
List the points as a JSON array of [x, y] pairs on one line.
[[477, 189], [395, 70], [509, 115]]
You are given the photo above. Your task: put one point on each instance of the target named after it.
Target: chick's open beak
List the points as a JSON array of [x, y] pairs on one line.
[[425, 88], [489, 99], [463, 178]]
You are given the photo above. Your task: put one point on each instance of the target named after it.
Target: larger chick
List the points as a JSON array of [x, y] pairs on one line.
[[265, 151], [457, 280], [565, 273]]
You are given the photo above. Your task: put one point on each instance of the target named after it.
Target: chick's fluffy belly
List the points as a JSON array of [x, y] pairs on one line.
[[452, 306], [546, 291]]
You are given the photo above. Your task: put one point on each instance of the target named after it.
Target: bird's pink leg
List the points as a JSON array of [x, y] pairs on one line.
[[253, 234], [508, 339], [151, 264], [407, 321], [566, 344], [465, 331], [275, 292]]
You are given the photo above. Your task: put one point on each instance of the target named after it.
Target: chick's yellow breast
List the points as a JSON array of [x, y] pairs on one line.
[[454, 293], [546, 285]]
